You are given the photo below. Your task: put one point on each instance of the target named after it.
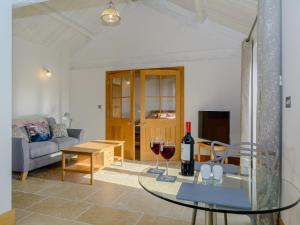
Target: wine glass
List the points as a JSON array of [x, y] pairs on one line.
[[155, 146], [167, 152]]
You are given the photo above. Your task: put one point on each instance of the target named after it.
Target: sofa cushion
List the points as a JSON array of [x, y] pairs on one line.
[[59, 130], [38, 149], [38, 131], [65, 142]]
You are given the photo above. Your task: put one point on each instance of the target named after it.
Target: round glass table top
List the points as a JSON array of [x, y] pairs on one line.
[[263, 198]]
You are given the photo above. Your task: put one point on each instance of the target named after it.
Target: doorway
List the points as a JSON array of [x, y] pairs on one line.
[[144, 104]]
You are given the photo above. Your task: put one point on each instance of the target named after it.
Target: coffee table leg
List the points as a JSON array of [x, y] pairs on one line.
[[63, 166], [92, 168]]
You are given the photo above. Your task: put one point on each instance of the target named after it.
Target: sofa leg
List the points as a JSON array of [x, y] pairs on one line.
[[23, 175]]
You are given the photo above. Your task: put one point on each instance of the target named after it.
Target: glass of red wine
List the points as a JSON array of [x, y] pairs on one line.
[[167, 152], [155, 146]]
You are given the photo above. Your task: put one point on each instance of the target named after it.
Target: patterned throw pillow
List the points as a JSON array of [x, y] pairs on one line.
[[17, 132], [59, 130], [38, 131]]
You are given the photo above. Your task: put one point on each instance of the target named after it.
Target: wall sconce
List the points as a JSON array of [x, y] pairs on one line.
[[48, 73]]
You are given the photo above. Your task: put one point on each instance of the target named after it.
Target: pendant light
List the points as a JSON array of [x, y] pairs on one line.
[[110, 16]]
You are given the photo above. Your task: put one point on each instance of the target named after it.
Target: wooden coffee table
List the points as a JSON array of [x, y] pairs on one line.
[[92, 156]]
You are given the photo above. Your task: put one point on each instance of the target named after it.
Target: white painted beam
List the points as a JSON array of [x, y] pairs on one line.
[[200, 9], [173, 10], [22, 3], [65, 20]]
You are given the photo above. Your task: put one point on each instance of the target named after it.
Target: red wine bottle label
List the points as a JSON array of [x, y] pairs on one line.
[[185, 152]]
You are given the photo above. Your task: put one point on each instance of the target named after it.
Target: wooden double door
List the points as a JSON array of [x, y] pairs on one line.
[[148, 100]]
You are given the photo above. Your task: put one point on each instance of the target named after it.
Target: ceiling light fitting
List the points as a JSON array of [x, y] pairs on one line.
[[110, 16]]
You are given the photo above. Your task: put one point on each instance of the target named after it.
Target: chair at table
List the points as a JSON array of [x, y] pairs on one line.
[[251, 154]]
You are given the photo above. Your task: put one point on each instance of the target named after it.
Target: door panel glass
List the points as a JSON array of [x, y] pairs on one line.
[[168, 108], [168, 104], [152, 107], [152, 86], [160, 102], [126, 86], [116, 107], [121, 99], [168, 85], [126, 107], [116, 87]]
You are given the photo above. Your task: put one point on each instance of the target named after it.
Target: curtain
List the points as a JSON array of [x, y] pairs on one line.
[[246, 77], [246, 98]]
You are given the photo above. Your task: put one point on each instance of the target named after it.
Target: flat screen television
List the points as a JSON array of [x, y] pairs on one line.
[[214, 126]]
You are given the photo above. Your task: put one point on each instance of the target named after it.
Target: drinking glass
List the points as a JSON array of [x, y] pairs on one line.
[[155, 145], [167, 152]]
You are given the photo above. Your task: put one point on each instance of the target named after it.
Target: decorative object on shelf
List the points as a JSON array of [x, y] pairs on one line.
[[67, 118], [110, 16]]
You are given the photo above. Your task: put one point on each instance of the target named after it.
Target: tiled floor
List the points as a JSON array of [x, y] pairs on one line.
[[115, 199]]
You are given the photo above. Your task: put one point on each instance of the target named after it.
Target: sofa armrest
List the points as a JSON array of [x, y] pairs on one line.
[[76, 133], [20, 155]]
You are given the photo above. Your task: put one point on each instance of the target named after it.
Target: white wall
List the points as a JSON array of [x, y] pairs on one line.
[[209, 85], [213, 85], [33, 92], [291, 119], [5, 101], [86, 93], [209, 52]]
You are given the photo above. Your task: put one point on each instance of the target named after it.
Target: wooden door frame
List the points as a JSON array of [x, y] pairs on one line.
[[180, 69]]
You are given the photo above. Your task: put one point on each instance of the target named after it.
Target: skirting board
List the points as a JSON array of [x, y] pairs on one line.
[[8, 218]]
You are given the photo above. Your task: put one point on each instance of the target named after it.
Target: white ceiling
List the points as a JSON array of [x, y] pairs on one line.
[[22, 3], [71, 24], [235, 14]]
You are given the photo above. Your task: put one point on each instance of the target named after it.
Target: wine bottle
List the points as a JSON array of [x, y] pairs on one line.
[[187, 152]]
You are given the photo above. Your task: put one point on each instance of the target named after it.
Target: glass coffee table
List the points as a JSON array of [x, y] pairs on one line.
[[288, 195]]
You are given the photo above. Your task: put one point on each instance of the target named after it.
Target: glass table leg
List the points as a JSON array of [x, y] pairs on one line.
[[210, 218], [194, 216]]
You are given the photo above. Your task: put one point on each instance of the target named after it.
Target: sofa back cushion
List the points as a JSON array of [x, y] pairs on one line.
[[19, 132], [51, 121]]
